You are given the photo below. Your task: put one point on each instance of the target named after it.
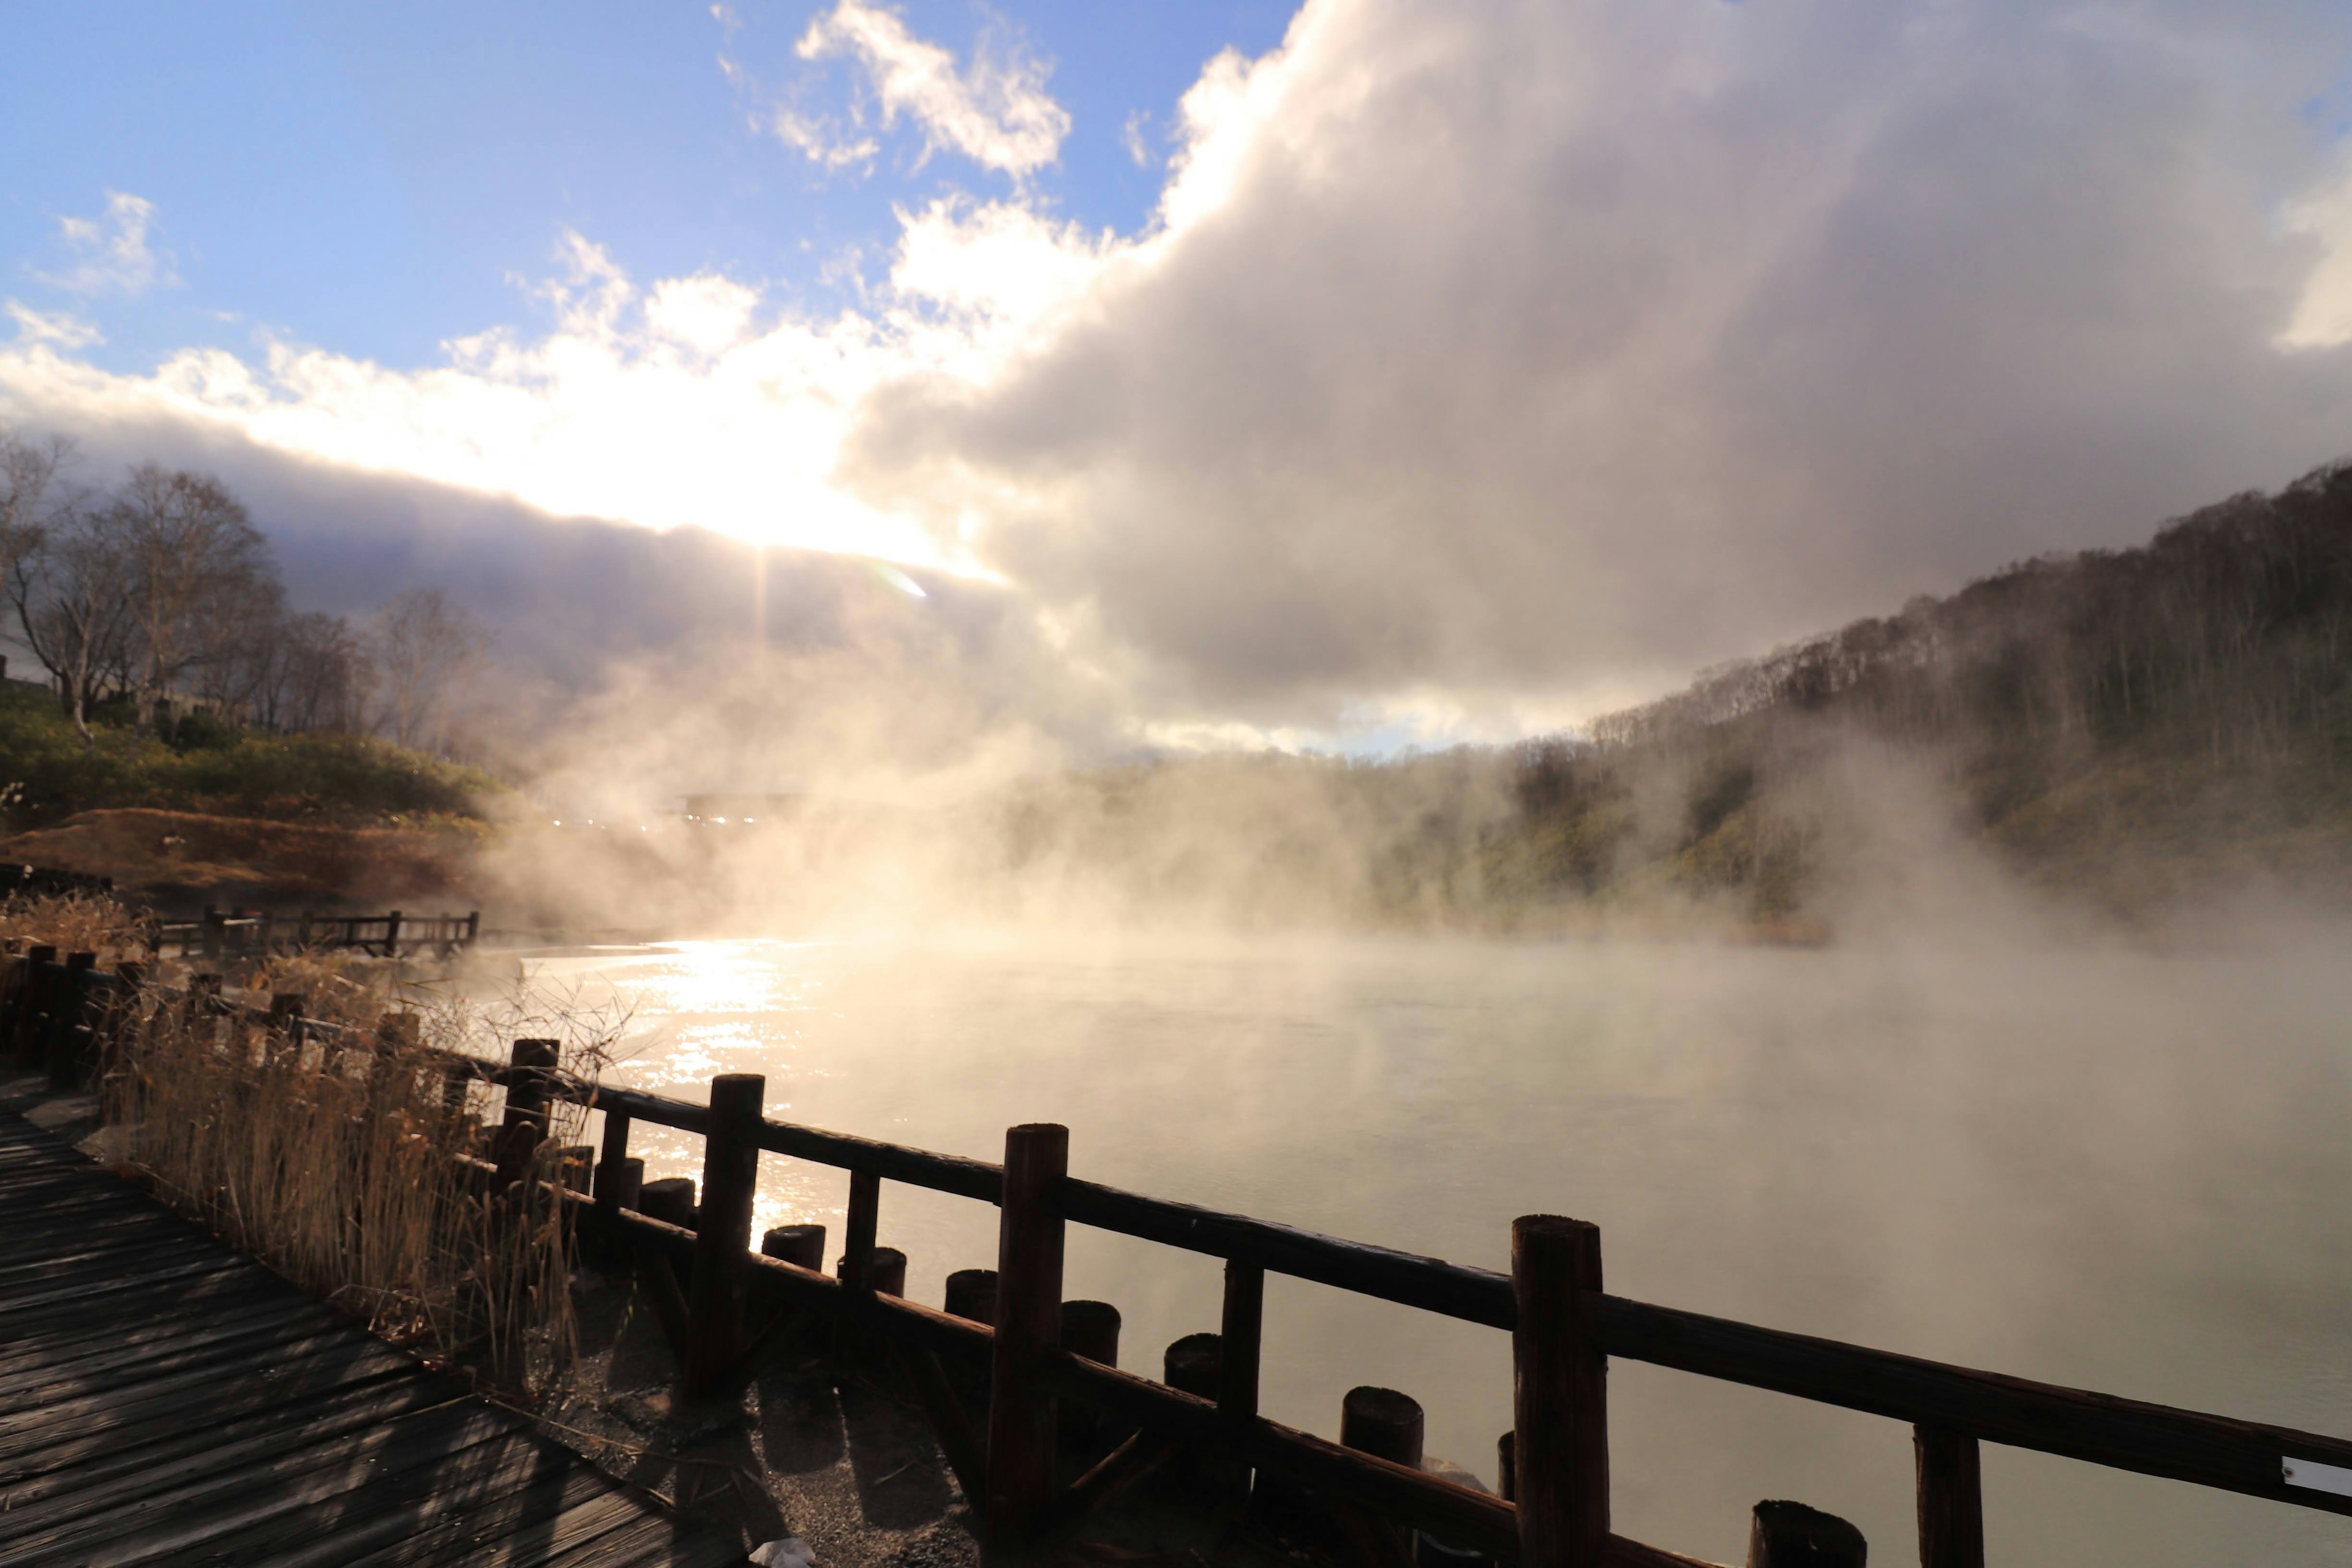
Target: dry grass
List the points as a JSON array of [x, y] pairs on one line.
[[347, 1157], [74, 922]]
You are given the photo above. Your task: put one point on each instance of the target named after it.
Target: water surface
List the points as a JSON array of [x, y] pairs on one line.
[[2114, 1170]]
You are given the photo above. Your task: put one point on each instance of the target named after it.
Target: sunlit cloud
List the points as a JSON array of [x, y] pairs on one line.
[[995, 111], [1476, 370], [112, 252], [51, 328], [685, 402], [2323, 317]]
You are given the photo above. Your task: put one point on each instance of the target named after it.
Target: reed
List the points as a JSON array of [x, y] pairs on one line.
[[353, 1161]]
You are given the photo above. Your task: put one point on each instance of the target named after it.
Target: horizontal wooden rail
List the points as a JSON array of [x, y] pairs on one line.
[[2121, 1434], [1474, 1295], [2152, 1439], [892, 1162]]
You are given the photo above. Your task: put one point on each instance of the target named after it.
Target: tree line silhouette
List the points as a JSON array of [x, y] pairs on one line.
[[159, 596], [2191, 685]]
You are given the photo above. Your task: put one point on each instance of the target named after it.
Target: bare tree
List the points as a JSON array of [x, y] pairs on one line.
[[31, 491], [197, 567], [71, 591], [426, 649], [320, 678]]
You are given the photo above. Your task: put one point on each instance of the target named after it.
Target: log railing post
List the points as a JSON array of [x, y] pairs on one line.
[[1560, 1394], [612, 1166], [1243, 1328], [392, 934], [525, 1124], [859, 1226], [1952, 1500], [32, 992], [722, 1241], [1790, 1535], [67, 1021], [1028, 1322]]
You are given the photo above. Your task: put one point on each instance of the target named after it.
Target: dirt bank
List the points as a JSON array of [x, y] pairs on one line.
[[177, 858]]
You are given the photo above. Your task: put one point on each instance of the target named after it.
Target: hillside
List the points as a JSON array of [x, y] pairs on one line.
[[2131, 727], [49, 772], [231, 816]]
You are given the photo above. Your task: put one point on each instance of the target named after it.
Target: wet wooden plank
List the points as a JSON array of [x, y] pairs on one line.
[[111, 1471], [529, 1524], [191, 1521], [164, 1400]]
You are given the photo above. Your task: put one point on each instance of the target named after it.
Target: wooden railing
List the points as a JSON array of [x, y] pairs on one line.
[[1564, 1326], [48, 881], [232, 934]]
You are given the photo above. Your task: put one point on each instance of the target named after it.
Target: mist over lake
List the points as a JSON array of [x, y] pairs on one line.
[[2100, 1167]]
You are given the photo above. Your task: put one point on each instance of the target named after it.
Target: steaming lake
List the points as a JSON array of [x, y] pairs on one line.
[[2118, 1171]]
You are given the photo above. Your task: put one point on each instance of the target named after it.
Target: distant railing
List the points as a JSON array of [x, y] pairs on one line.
[[1554, 1508], [233, 934], [47, 882]]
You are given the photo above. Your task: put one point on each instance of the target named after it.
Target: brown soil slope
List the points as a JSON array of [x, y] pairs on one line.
[[178, 857]]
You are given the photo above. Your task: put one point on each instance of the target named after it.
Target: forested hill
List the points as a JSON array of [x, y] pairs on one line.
[[2132, 724]]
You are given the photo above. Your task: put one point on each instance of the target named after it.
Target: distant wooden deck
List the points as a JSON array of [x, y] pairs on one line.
[[164, 1399]]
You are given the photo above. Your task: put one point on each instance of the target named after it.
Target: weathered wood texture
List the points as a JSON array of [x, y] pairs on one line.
[[164, 1400], [1952, 1500], [1560, 1402], [1021, 1428]]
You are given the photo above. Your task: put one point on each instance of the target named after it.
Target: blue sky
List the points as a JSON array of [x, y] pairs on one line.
[[376, 177]]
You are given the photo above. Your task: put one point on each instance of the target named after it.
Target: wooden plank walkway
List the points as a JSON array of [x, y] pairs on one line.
[[164, 1399]]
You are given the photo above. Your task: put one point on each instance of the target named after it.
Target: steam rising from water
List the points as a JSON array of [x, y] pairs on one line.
[[2101, 1168]]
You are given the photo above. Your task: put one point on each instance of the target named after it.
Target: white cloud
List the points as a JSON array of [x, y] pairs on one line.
[[51, 328], [996, 112], [820, 142], [1130, 136], [2323, 317], [1480, 365], [664, 406], [112, 252]]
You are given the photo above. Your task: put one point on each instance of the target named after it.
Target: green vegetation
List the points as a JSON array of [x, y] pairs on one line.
[[2128, 726], [47, 771]]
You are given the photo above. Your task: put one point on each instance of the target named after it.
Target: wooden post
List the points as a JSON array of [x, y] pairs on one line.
[[1952, 1500], [1028, 1321], [1089, 1329], [472, 927], [1388, 1425], [612, 1160], [1790, 1535], [65, 1021], [626, 1184], [730, 1173], [1194, 1365], [1243, 1328], [32, 1002], [802, 1245], [669, 1200], [525, 1125], [1382, 1423], [1560, 1406], [859, 1226], [392, 934], [971, 1295], [212, 937]]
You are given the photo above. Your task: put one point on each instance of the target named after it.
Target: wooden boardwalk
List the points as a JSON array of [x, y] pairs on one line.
[[164, 1399]]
